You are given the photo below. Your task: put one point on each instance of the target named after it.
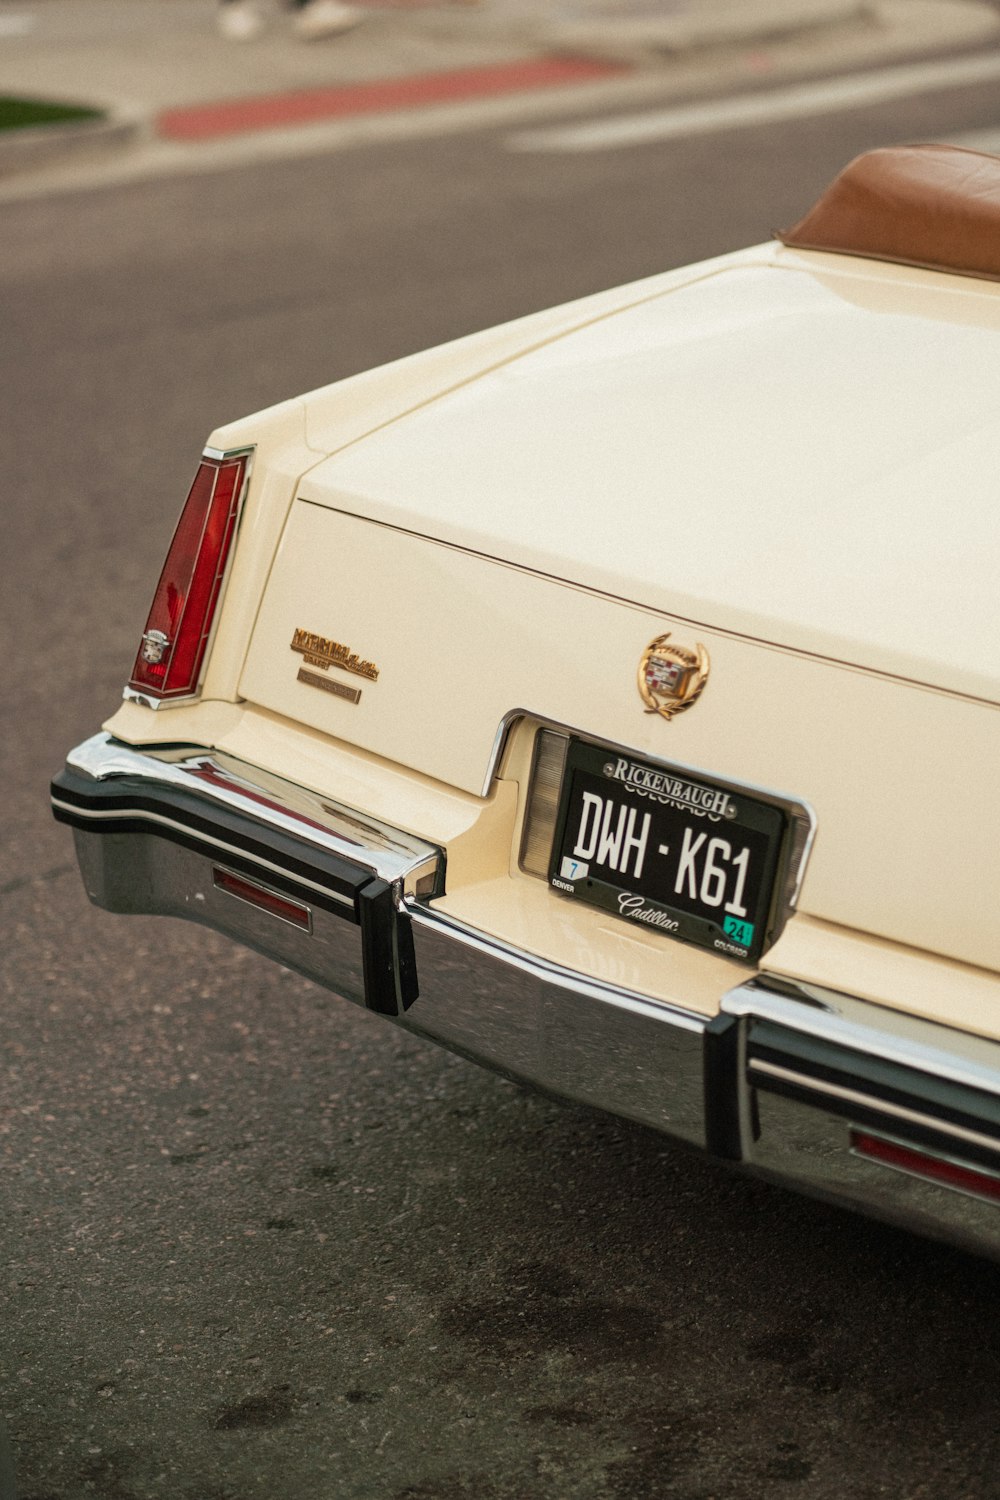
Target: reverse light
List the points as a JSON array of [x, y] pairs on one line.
[[172, 649], [543, 801]]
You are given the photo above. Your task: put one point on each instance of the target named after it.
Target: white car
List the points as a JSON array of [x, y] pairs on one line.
[[614, 697]]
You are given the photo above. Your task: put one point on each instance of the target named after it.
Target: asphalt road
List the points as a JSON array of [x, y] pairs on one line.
[[256, 1242]]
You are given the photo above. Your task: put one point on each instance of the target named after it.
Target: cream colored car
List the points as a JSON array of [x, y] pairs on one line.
[[613, 698]]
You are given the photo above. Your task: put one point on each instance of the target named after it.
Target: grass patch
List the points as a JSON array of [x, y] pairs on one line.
[[19, 114]]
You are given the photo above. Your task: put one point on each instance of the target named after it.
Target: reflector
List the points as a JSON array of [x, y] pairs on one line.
[[918, 1163], [168, 663], [259, 895]]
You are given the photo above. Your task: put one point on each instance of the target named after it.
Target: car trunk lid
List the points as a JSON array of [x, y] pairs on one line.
[[736, 465]]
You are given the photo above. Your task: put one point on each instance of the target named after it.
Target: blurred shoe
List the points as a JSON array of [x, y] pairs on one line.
[[322, 18], [239, 20]]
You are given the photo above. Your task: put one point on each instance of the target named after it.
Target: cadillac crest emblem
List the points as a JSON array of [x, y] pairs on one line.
[[671, 678]]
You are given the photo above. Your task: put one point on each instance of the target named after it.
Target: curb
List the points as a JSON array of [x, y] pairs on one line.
[[739, 24], [41, 145], [602, 36]]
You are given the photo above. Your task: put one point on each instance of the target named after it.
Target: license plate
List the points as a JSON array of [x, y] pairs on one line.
[[667, 850]]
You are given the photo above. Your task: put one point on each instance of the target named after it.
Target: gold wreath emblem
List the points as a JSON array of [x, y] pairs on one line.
[[671, 678]]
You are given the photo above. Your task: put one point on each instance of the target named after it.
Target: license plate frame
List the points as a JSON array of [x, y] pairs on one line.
[[683, 835]]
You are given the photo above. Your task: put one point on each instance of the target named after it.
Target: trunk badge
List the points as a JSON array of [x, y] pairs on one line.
[[671, 678], [319, 651]]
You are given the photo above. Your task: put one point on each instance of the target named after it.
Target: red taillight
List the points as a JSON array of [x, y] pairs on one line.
[[168, 663]]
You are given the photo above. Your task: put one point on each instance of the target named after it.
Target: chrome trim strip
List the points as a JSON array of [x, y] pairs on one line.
[[504, 729], [136, 695], [132, 695], [821, 1087], [98, 815], [544, 970], [224, 453], [862, 1026], [387, 853]]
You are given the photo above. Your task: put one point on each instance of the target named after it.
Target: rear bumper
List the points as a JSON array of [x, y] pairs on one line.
[[802, 1086]]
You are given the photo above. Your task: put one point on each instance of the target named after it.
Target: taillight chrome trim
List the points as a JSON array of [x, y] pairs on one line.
[[132, 694]]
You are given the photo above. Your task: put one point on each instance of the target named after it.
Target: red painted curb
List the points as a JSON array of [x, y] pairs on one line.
[[239, 116]]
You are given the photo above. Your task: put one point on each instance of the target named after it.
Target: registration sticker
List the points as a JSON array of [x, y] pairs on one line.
[[740, 932]]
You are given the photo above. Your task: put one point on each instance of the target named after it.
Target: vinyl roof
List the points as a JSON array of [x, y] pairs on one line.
[[937, 207]]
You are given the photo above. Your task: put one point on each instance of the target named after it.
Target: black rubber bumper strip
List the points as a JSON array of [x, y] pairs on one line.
[[310, 874], [721, 1082], [387, 951]]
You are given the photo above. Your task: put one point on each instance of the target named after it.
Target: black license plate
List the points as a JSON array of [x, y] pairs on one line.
[[667, 850]]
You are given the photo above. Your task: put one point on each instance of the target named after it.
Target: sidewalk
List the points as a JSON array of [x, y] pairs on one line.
[[158, 67]]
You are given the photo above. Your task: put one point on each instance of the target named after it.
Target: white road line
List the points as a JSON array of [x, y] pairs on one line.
[[826, 96]]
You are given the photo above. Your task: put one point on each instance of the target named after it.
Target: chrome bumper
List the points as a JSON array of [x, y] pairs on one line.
[[794, 1083]]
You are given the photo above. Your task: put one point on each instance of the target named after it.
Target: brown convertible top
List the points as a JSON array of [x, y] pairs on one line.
[[932, 206]]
